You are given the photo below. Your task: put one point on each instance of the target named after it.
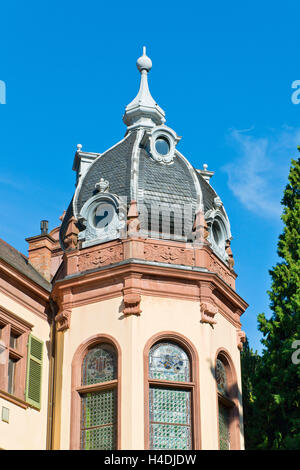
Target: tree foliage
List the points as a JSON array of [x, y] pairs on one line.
[[272, 400], [250, 365]]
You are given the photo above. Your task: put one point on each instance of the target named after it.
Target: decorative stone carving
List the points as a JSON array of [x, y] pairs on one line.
[[63, 319], [71, 237], [230, 255], [241, 338], [217, 268], [101, 257], [208, 311], [133, 222], [102, 218], [132, 294], [168, 254], [132, 304], [102, 186], [219, 228], [217, 202], [200, 229], [64, 302]]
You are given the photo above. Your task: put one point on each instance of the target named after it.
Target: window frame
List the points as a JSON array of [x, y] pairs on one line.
[[10, 323], [77, 389], [192, 386], [230, 400]]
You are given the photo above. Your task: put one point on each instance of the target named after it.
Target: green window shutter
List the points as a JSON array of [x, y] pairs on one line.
[[34, 371]]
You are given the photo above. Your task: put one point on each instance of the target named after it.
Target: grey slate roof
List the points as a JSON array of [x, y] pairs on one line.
[[166, 183], [64, 224], [208, 194], [19, 261], [113, 166], [157, 183]]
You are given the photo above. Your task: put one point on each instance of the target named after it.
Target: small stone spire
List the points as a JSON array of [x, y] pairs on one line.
[[143, 111]]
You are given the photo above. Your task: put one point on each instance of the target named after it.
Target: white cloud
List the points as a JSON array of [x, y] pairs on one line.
[[258, 175], [9, 181]]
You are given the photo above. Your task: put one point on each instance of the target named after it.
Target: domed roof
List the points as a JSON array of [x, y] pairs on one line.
[[146, 167]]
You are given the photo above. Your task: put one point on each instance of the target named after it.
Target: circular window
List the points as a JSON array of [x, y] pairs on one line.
[[162, 145], [103, 215]]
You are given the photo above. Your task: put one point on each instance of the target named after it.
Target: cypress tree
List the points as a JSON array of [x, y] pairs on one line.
[[277, 384]]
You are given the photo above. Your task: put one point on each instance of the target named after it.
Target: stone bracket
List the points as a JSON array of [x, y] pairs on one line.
[[132, 304], [132, 294], [208, 312], [241, 338], [207, 305], [63, 318]]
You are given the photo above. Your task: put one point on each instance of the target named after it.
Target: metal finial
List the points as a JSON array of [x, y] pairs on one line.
[[144, 62]]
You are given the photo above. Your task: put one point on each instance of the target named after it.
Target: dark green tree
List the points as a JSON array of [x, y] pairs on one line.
[[276, 393], [250, 365]]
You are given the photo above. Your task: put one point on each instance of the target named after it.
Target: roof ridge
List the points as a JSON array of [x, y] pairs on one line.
[[14, 249], [21, 263]]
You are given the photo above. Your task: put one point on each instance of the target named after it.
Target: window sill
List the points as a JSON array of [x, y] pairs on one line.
[[15, 400]]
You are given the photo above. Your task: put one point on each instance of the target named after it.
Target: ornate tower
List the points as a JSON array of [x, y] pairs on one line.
[[148, 332]]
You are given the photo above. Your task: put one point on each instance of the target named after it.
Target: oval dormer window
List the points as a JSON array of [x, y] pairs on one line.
[[217, 233], [162, 145]]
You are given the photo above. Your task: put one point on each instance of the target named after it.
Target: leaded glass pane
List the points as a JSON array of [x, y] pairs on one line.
[[168, 361], [224, 435], [99, 365], [170, 419], [221, 377], [98, 420]]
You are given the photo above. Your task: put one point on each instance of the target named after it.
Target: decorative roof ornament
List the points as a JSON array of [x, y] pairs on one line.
[[218, 202], [102, 186], [205, 173], [143, 111]]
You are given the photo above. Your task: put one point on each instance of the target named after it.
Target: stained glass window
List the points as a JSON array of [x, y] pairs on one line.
[[224, 435], [169, 407], [170, 419], [98, 420], [225, 405], [99, 365], [221, 377], [98, 427], [167, 361]]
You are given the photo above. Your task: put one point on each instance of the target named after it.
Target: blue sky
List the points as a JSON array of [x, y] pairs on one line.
[[222, 71]]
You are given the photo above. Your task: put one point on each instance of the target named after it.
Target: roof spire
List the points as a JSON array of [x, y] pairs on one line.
[[143, 111]]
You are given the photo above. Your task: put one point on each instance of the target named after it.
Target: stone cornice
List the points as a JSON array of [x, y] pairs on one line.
[[112, 281]]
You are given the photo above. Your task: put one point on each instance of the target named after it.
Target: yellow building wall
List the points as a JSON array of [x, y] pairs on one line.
[[27, 428], [132, 333]]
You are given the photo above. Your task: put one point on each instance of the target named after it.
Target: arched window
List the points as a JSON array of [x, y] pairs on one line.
[[228, 415], [95, 390], [171, 406]]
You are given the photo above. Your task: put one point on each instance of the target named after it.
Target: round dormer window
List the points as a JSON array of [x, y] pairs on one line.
[[162, 142], [103, 215], [162, 145]]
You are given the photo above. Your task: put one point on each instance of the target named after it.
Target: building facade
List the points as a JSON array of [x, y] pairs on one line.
[[126, 327]]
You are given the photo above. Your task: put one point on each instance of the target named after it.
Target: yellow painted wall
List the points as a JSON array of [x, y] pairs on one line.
[[132, 333], [27, 428]]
